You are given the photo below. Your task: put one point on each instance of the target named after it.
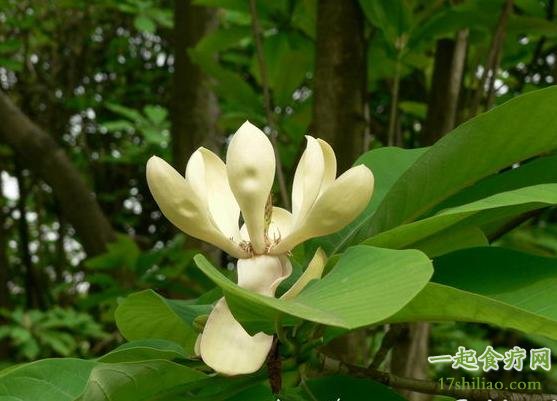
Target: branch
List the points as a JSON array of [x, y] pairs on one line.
[[434, 388], [389, 341], [340, 79], [493, 59], [448, 68], [393, 113], [256, 29], [39, 152]]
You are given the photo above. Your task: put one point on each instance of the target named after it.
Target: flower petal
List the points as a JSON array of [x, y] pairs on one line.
[[225, 345], [262, 274], [281, 224], [330, 165], [206, 173], [328, 214], [313, 272], [227, 348], [250, 163], [307, 179], [184, 207], [197, 346]]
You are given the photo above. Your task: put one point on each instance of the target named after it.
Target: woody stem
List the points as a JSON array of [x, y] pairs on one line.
[[333, 366]]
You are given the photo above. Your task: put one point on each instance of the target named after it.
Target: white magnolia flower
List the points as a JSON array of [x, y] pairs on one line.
[[207, 203]]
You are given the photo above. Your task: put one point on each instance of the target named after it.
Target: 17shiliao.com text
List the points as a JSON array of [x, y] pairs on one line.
[[481, 383]]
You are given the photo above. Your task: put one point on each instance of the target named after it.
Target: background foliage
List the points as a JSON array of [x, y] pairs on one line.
[[103, 85]]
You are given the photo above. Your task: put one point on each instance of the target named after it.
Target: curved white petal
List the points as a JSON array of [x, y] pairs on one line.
[[281, 224], [307, 179], [197, 346], [227, 348], [330, 160], [313, 272], [341, 203], [207, 175], [225, 345], [183, 206], [250, 163], [244, 235], [262, 274]]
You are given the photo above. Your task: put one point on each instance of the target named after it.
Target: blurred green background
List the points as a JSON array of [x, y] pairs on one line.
[[91, 89]]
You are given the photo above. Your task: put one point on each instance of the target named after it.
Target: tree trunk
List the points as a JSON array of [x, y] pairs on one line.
[[4, 264], [340, 79], [450, 56], [35, 291], [409, 357], [194, 107], [38, 151], [489, 73], [339, 107]]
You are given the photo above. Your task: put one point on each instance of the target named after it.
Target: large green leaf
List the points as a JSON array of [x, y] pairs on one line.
[[522, 128], [473, 214], [45, 380], [147, 315], [350, 389], [441, 243], [527, 25], [143, 350], [387, 165], [366, 285], [255, 393], [222, 39], [490, 285], [393, 17], [538, 171], [137, 381], [476, 16], [88, 380], [282, 49], [230, 85]]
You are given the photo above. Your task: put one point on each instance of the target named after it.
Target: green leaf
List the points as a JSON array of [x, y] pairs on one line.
[[490, 285], [473, 214], [285, 49], [387, 165], [230, 85], [76, 379], [366, 286], [255, 393], [392, 17], [479, 17], [45, 380], [136, 381], [11, 64], [222, 39], [118, 125], [145, 24], [538, 171], [147, 315], [122, 253], [526, 25], [304, 16], [495, 139], [417, 109], [10, 46], [440, 244], [348, 388], [156, 114], [142, 350], [266, 10], [124, 111]]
